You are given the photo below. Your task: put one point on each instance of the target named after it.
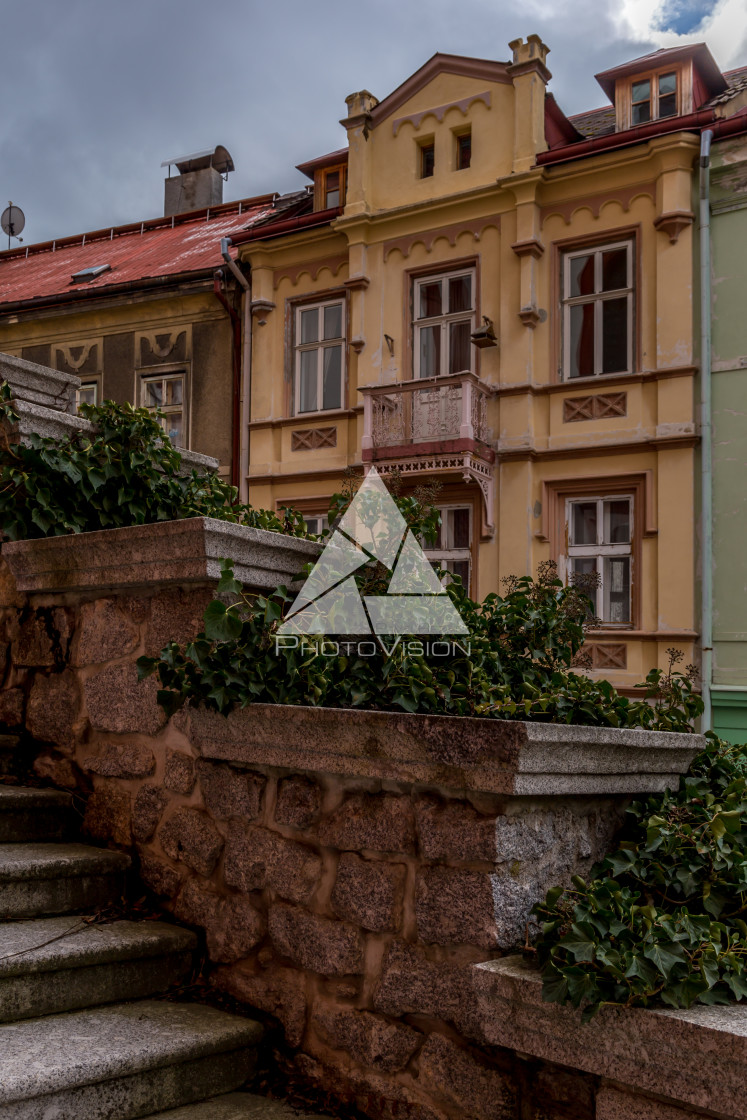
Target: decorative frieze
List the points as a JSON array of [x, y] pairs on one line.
[[595, 406], [309, 439]]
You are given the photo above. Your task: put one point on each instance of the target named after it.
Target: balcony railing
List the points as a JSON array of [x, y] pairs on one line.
[[427, 413]]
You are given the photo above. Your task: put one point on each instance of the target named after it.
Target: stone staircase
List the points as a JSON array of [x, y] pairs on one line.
[[71, 1048]]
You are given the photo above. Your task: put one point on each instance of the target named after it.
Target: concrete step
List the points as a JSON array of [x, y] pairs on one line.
[[33, 814], [236, 1106], [120, 1062], [38, 879], [53, 965]]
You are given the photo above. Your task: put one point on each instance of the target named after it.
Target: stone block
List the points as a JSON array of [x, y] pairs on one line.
[[150, 802], [472, 1086], [380, 822], [11, 707], [52, 709], [612, 1104], [122, 760], [298, 802], [413, 984], [454, 830], [317, 944], [158, 875], [179, 773], [104, 633], [229, 792], [233, 927], [56, 769], [369, 893], [34, 646], [554, 1089], [117, 701], [108, 816], [191, 837], [175, 616], [365, 1092], [257, 858], [281, 993], [370, 1039], [454, 906]]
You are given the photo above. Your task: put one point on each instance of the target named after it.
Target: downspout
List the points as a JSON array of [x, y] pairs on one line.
[[236, 376], [244, 411], [706, 431]]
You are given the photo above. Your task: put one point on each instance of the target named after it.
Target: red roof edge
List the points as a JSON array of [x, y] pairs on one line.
[[289, 225], [559, 130], [330, 159], [703, 60]]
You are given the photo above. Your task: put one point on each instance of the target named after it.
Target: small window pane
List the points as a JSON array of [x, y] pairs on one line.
[[174, 391], [584, 565], [615, 335], [310, 325], [584, 523], [642, 113], [332, 199], [668, 105], [332, 381], [667, 83], [430, 300], [616, 583], [459, 347], [430, 351], [582, 276], [427, 160], [333, 321], [153, 394], [582, 340], [87, 394], [642, 90], [464, 151], [174, 427], [614, 269], [460, 294], [307, 387], [617, 518], [459, 568], [459, 527]]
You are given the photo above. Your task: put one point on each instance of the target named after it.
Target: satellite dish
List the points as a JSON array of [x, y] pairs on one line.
[[12, 221]]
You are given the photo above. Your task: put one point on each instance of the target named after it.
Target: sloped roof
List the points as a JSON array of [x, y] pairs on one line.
[[595, 122], [143, 251]]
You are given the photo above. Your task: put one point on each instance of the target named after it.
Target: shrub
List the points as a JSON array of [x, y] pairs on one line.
[[126, 473], [663, 917]]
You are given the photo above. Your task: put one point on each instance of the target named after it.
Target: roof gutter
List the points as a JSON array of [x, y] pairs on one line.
[[242, 403], [289, 225]]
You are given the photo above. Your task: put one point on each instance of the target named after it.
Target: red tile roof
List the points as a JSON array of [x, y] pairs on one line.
[[152, 250]]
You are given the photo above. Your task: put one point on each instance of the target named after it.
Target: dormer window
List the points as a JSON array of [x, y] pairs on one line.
[[653, 97], [330, 187]]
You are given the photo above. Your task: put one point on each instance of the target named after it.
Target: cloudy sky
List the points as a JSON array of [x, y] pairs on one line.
[[98, 92]]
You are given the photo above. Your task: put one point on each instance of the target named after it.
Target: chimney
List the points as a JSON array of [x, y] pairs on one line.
[[199, 183]]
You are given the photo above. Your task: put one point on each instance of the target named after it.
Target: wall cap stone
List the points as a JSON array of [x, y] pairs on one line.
[[177, 552], [498, 756], [37, 384], [695, 1057]]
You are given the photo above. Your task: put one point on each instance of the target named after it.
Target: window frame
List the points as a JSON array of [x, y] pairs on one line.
[[148, 376], [320, 186], [459, 136], [653, 77], [425, 144], [602, 550], [89, 383], [445, 320], [320, 345], [445, 554], [597, 299]]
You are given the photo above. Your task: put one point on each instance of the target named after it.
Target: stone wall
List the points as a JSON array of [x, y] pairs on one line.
[[348, 870]]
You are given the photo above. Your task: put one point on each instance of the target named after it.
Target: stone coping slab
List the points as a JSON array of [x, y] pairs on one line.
[[695, 1057], [497, 756], [39, 384], [167, 552]]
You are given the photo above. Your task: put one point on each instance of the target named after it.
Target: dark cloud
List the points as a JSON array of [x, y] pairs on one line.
[[97, 93]]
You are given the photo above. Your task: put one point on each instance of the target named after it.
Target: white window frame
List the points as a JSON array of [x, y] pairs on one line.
[[316, 523], [444, 320], [163, 377], [598, 298], [84, 386], [320, 345], [600, 551], [447, 554]]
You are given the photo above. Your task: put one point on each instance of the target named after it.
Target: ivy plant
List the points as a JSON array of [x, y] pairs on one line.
[[663, 917], [125, 472]]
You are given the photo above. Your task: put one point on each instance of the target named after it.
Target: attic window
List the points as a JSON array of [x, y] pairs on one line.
[[653, 98], [87, 274], [329, 187]]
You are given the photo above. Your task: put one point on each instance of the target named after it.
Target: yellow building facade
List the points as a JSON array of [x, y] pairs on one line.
[[503, 305]]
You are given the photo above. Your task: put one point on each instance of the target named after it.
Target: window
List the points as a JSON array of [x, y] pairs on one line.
[[463, 150], [653, 97], [598, 310], [452, 546], [317, 524], [167, 394], [320, 340], [444, 309], [427, 159], [599, 533], [87, 393]]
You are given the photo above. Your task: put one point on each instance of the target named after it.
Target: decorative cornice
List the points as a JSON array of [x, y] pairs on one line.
[[673, 222], [293, 272], [624, 196], [440, 111], [356, 283], [261, 308], [584, 451], [476, 227], [530, 247]]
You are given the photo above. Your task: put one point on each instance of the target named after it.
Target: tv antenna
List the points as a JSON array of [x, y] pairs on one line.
[[12, 222]]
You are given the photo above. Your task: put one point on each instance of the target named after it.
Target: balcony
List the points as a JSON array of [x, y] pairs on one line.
[[434, 426]]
